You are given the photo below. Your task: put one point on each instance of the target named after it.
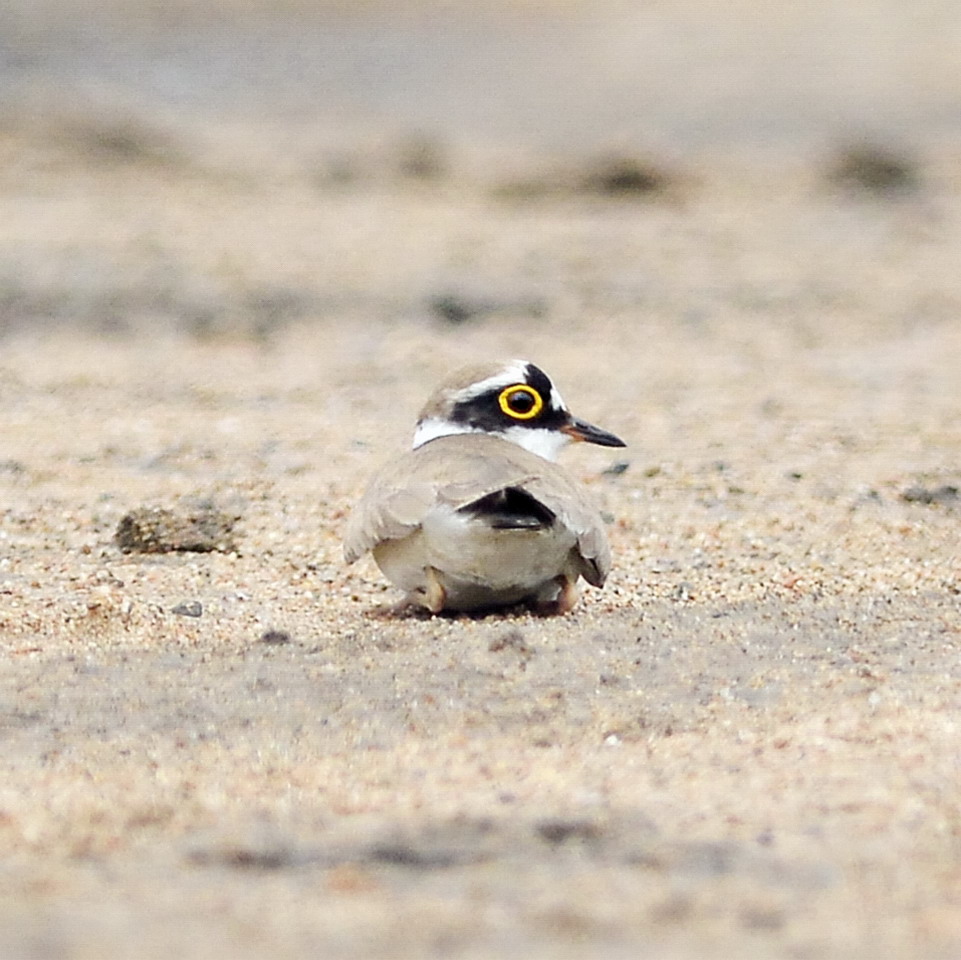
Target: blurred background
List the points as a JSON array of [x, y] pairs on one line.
[[687, 74], [212, 162]]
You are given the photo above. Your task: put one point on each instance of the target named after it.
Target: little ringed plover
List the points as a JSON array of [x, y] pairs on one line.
[[477, 515]]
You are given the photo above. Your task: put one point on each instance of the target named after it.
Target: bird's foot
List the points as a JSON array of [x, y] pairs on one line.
[[563, 602]]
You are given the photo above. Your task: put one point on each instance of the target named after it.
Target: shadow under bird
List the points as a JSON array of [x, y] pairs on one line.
[[478, 515]]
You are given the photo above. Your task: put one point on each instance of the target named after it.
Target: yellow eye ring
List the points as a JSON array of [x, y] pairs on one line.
[[510, 393]]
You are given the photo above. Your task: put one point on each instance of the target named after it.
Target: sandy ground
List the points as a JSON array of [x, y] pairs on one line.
[[746, 744]]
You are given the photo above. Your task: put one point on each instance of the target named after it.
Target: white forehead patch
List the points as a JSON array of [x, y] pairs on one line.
[[513, 372]]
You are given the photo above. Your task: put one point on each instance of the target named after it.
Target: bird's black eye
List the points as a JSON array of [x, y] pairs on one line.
[[521, 402]]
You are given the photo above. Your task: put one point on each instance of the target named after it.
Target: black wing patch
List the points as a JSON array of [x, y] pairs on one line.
[[510, 509]]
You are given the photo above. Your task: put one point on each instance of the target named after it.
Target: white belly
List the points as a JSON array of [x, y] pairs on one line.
[[477, 565]]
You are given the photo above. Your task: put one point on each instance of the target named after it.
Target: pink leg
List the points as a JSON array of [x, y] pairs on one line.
[[432, 595], [564, 601]]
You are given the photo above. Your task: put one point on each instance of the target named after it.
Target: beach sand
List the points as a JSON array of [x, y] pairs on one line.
[[746, 744]]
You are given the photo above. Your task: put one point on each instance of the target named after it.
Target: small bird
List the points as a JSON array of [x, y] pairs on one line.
[[477, 515]]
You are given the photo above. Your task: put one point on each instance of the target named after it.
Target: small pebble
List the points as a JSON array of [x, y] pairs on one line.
[[163, 530], [621, 176], [942, 494], [188, 608], [876, 169]]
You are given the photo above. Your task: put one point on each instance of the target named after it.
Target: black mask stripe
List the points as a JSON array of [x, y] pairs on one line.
[[483, 412]]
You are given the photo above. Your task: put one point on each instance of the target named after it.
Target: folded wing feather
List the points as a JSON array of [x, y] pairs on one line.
[[402, 493]]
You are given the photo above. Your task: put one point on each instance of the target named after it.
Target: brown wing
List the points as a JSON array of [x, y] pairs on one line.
[[446, 470], [459, 470]]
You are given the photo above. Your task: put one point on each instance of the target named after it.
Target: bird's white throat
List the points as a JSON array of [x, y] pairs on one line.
[[545, 443]]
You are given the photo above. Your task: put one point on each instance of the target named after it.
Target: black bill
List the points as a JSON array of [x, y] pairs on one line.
[[586, 432]]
